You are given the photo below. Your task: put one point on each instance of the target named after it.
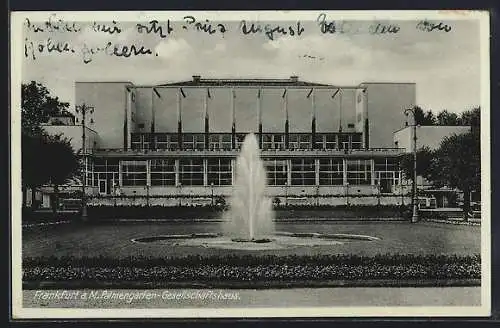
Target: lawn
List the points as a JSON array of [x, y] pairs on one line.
[[113, 240]]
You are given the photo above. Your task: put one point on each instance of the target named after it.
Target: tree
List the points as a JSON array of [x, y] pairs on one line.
[[32, 174], [457, 164], [429, 118], [471, 117], [447, 118], [61, 164], [37, 106], [424, 159], [424, 118]]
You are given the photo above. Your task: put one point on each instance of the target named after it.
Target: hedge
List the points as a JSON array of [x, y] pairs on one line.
[[235, 268]]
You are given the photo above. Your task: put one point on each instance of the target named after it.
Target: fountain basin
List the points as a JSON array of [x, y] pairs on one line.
[[152, 239], [279, 240]]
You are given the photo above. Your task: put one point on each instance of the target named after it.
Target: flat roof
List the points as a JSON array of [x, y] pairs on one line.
[[433, 126]]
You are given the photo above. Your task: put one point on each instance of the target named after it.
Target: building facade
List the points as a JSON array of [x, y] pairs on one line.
[[427, 136], [176, 144]]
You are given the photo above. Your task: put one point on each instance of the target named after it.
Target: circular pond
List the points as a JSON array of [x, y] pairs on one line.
[[278, 240]]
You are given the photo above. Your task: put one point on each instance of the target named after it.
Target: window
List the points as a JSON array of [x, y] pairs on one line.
[[273, 141], [173, 142], [304, 141], [293, 141], [226, 141], [163, 172], [299, 141], [134, 173], [220, 141], [191, 172], [319, 141], [386, 173], [199, 141], [267, 141], [89, 170], [343, 141], [386, 164], [330, 142], [188, 142], [279, 141], [303, 172], [239, 140], [147, 141], [276, 172], [215, 142], [219, 171], [331, 171], [142, 141], [104, 169], [136, 141], [162, 141], [356, 141], [359, 172]]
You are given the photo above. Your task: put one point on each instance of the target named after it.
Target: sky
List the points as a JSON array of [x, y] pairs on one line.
[[444, 65]]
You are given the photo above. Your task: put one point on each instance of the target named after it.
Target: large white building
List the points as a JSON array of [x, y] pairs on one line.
[[176, 143]]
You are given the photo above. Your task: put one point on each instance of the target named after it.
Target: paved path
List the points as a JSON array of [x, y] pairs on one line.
[[237, 298]]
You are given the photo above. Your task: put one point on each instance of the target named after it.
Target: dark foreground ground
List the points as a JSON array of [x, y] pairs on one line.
[[115, 239]]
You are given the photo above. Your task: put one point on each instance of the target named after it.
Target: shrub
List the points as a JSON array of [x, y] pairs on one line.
[[246, 268]]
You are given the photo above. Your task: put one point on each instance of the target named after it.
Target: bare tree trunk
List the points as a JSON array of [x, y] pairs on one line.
[[466, 204]]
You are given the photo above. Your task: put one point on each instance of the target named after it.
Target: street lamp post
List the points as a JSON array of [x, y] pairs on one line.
[[414, 217], [286, 194], [347, 193], [212, 187], [83, 110], [179, 185], [379, 193], [317, 195]]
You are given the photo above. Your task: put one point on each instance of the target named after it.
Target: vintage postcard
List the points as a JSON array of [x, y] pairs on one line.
[[250, 164]]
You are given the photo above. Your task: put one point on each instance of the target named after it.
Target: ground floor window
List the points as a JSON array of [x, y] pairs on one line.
[[331, 171], [134, 173], [105, 173], [359, 172], [276, 172], [191, 172], [386, 173], [163, 172], [303, 172], [219, 171]]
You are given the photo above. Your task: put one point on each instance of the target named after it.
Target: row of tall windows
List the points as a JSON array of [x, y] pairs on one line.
[[223, 141], [218, 171]]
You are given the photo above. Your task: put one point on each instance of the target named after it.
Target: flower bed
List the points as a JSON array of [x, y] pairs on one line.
[[250, 268]]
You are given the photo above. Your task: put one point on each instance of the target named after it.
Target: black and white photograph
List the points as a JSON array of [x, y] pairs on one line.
[[250, 164]]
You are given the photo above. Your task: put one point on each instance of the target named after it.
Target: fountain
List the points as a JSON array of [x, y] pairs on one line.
[[250, 217], [249, 223]]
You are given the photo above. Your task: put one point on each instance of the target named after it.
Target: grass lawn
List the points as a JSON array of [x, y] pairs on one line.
[[114, 240]]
